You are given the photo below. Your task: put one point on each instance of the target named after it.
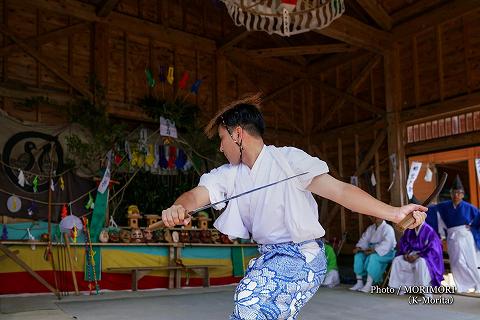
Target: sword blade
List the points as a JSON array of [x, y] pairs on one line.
[[244, 193]]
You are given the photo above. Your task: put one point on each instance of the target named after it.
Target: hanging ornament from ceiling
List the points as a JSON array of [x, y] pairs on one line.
[[284, 17]]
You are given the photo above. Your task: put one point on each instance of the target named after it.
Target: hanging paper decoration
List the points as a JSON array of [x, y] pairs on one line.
[[181, 159], [172, 155], [32, 209], [117, 159], [163, 157], [161, 76], [52, 185], [35, 184], [90, 204], [373, 180], [150, 158], [196, 86], [128, 151], [167, 128], [354, 180], [14, 204], [4, 232], [102, 187], [62, 184], [393, 164], [428, 175], [64, 211], [170, 77], [150, 79], [156, 153], [31, 238], [412, 176], [182, 84], [21, 178], [284, 17]]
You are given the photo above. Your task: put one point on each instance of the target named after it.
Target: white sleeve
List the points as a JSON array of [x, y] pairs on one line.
[[388, 242], [301, 162], [365, 239], [217, 183]]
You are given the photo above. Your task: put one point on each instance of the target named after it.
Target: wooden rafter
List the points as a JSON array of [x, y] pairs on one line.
[[359, 102], [45, 38], [417, 7], [283, 42], [302, 50], [331, 167], [356, 33], [371, 152], [240, 72], [105, 7], [281, 90], [352, 129], [116, 109], [377, 12], [450, 106], [334, 61], [47, 63], [352, 88], [270, 64], [449, 11], [232, 40], [126, 23]]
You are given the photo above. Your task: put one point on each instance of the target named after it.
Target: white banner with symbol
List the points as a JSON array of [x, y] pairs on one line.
[[412, 176]]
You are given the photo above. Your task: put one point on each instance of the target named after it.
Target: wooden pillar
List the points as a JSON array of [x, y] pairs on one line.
[[393, 95], [100, 47], [343, 225], [221, 85]]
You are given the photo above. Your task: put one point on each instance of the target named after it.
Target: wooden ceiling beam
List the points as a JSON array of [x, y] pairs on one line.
[[351, 88], [270, 64], [302, 50], [232, 40], [114, 108], [352, 99], [334, 61], [241, 73], [107, 6], [47, 63], [281, 90], [463, 103], [356, 33], [351, 129], [418, 7], [371, 152], [377, 12], [127, 23], [449, 11], [45, 38]]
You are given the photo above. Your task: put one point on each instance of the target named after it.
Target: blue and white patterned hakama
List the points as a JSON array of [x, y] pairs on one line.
[[281, 281]]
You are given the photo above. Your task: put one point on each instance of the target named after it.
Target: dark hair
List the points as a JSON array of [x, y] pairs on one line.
[[244, 113], [246, 116]]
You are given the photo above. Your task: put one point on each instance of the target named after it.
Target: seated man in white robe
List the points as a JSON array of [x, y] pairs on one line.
[[419, 260], [373, 252]]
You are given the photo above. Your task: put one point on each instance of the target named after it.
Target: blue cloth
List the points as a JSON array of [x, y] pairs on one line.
[[279, 282], [463, 214], [373, 265]]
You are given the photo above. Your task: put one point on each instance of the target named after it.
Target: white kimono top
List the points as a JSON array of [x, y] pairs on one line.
[[280, 213], [381, 239]]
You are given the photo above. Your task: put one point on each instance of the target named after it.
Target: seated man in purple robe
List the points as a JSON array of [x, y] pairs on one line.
[[419, 260]]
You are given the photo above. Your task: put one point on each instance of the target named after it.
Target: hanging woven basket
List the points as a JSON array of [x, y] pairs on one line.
[[284, 17]]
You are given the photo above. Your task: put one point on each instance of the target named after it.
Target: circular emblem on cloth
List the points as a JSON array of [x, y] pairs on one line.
[[14, 204], [36, 154]]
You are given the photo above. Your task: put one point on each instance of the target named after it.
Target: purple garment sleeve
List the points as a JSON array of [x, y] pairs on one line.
[[428, 246]]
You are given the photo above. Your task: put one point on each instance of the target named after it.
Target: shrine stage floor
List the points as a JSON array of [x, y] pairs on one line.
[[216, 303]]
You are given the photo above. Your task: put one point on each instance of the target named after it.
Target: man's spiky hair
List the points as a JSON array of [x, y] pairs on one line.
[[250, 99]]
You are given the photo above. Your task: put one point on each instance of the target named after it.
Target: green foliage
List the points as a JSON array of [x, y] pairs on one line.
[[202, 152], [103, 132]]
